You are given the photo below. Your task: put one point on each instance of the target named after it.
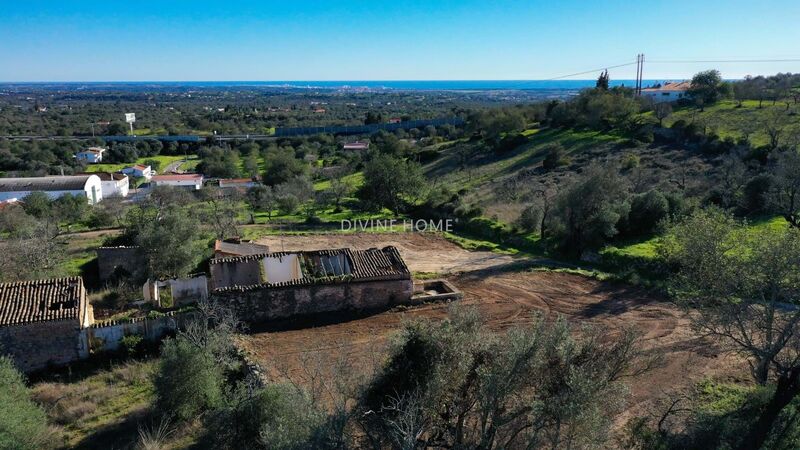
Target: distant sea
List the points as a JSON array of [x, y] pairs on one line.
[[402, 85]]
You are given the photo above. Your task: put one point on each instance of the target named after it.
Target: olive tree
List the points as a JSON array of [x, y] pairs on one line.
[[743, 286]]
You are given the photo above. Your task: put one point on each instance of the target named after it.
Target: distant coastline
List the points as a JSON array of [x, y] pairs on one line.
[[398, 85]]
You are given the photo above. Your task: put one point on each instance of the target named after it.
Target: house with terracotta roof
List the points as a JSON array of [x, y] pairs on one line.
[[138, 171], [668, 92], [276, 285], [192, 181], [91, 155], [42, 322]]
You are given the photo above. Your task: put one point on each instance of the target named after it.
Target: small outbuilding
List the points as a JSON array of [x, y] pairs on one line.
[[42, 322], [113, 184]]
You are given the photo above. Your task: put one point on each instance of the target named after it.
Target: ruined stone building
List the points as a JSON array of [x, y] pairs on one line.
[[42, 322], [285, 284]]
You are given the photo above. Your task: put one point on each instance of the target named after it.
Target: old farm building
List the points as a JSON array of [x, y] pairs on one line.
[[285, 284], [41, 321]]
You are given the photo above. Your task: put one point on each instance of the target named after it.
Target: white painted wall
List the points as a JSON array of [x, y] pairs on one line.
[[192, 184], [664, 96], [282, 268], [93, 191], [115, 188]]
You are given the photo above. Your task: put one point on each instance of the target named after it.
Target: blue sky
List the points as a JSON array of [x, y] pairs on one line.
[[141, 40]]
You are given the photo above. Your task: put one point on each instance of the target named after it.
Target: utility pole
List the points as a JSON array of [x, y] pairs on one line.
[[639, 73]]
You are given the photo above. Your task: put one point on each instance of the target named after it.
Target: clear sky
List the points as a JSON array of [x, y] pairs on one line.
[[139, 40]]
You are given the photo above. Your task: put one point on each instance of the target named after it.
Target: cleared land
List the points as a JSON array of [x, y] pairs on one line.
[[423, 252], [506, 294]]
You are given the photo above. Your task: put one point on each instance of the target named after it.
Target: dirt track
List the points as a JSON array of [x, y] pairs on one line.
[[505, 298]]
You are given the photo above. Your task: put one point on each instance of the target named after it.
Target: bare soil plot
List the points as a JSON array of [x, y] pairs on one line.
[[508, 298], [422, 252]]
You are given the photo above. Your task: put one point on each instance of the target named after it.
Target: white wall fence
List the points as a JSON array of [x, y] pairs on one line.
[[107, 336]]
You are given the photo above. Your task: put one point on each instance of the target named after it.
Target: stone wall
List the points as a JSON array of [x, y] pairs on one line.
[[37, 345], [267, 303], [111, 258]]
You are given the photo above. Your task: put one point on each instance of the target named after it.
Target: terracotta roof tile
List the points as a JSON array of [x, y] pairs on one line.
[[41, 300]]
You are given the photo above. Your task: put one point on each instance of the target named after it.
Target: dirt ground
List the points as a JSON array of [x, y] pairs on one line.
[[505, 296], [422, 252]]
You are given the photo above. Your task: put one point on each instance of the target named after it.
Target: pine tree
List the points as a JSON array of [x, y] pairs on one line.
[[602, 80]]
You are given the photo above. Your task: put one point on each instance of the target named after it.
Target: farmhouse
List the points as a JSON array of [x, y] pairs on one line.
[[668, 92], [357, 145], [285, 284], [41, 321], [138, 171], [192, 181], [113, 184], [91, 155], [88, 186]]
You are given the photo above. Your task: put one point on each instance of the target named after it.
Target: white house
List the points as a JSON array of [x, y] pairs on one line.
[[88, 186], [193, 181], [237, 183], [668, 92], [357, 145], [92, 155], [114, 184], [138, 171]]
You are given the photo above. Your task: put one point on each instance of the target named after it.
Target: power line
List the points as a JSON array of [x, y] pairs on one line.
[[590, 71], [689, 61]]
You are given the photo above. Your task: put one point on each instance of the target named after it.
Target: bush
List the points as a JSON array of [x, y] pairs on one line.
[[23, 425], [188, 380], [756, 192], [555, 157], [276, 417], [131, 344], [647, 210], [530, 219]]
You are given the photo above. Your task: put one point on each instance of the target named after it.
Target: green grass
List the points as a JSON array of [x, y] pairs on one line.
[[645, 249], [490, 167], [165, 160], [354, 179], [727, 120], [86, 407]]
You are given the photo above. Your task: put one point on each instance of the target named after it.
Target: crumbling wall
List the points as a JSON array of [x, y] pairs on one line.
[[106, 336], [267, 303], [37, 345]]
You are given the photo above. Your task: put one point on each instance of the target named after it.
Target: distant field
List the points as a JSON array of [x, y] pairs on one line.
[[163, 159]]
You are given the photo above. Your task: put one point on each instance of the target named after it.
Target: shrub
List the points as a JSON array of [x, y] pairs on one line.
[[530, 219], [555, 157], [188, 380], [756, 192], [23, 425], [131, 344], [647, 210], [276, 417]]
